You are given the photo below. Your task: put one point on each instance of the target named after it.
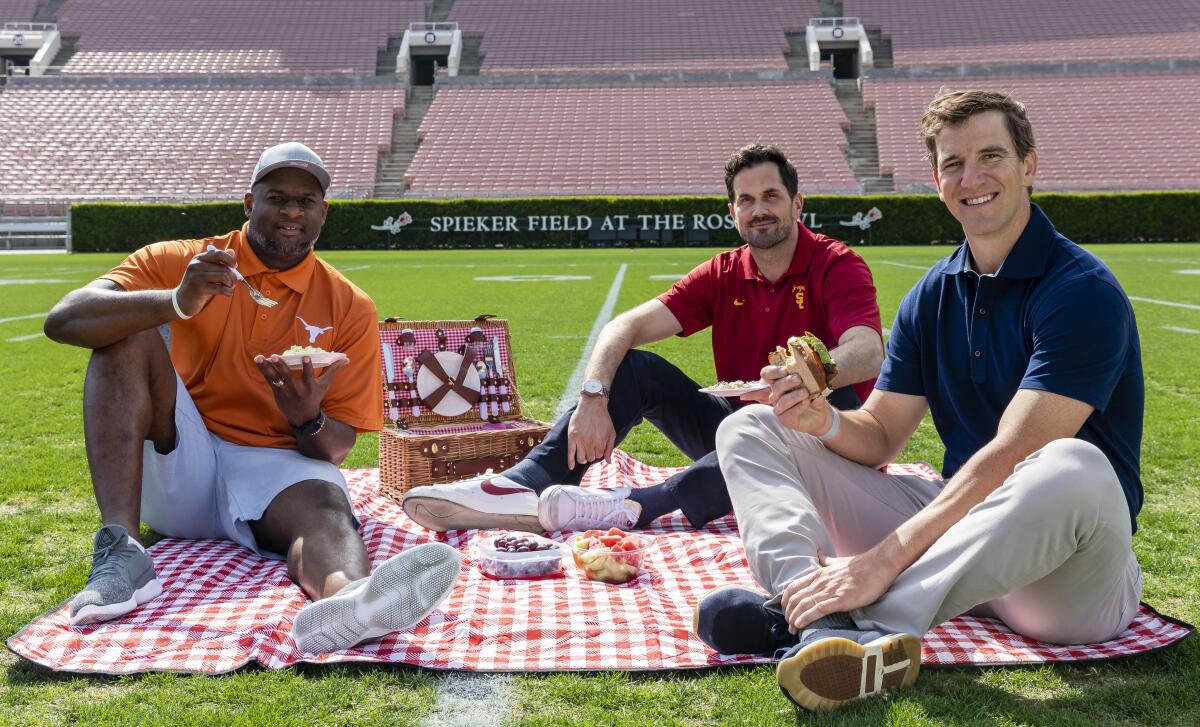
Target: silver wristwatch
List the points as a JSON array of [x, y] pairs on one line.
[[593, 387]]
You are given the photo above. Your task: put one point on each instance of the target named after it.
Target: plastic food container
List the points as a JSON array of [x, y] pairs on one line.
[[500, 561], [608, 565]]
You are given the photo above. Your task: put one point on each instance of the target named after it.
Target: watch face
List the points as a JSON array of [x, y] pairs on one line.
[[593, 386]]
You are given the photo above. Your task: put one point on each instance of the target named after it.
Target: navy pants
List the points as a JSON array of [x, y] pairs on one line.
[[648, 387]]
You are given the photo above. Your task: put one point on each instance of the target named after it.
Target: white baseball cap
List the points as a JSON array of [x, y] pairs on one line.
[[291, 154]]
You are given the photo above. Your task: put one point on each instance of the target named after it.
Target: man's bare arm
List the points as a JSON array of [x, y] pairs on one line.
[[590, 434], [103, 312], [1032, 420], [859, 354], [649, 322]]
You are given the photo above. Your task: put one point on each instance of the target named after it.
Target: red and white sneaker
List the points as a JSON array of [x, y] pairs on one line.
[[487, 502]]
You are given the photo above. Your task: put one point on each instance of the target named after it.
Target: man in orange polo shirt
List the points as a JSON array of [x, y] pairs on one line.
[[219, 438]]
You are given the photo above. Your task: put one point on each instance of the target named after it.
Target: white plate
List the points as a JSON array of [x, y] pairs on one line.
[[452, 404], [319, 360], [735, 390]]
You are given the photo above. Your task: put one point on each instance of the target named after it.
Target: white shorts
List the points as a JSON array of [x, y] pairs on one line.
[[207, 487]]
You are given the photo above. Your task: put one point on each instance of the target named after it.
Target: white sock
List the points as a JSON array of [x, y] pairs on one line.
[[135, 543]]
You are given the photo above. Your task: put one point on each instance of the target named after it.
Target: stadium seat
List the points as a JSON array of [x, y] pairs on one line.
[[1094, 130], [632, 139]]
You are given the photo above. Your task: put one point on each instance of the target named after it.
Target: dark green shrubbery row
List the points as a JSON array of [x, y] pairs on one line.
[[668, 221]]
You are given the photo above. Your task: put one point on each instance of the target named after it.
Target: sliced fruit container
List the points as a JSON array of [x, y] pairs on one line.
[[612, 556]]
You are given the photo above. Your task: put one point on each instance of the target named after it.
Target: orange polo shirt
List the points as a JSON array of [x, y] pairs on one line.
[[214, 350]]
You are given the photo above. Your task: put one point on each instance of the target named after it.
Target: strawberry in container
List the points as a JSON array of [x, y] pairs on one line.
[[610, 556]]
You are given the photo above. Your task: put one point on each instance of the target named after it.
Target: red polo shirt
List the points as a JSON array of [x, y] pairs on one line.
[[826, 290]]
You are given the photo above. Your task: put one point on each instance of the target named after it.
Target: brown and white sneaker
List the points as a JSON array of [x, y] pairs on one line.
[[826, 669]]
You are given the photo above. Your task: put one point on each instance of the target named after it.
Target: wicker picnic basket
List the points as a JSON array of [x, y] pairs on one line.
[[465, 370]]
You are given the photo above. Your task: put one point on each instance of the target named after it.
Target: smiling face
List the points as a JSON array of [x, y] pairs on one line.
[[286, 210], [982, 180], [763, 210]]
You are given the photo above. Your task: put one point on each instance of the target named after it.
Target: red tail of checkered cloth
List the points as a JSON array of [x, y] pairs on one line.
[[222, 607]]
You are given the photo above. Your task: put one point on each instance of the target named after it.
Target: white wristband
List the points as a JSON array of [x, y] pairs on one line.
[[833, 428], [175, 304]]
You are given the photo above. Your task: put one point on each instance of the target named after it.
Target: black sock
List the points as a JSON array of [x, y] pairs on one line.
[[529, 473], [656, 501]]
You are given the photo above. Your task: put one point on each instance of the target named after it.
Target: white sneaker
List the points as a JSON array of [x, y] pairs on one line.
[[487, 502], [567, 507], [403, 590]]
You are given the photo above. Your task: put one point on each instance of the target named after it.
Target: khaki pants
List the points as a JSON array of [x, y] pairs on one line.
[[1048, 552]]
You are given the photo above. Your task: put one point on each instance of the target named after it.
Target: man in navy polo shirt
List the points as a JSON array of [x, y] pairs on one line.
[[784, 281], [1024, 348]]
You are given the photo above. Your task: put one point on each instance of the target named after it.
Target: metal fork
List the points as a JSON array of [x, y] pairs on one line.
[[255, 294]]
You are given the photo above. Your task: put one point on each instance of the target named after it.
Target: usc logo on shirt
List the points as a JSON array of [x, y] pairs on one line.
[[798, 291]]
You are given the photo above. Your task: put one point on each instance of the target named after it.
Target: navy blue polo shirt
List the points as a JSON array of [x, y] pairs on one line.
[[1052, 318]]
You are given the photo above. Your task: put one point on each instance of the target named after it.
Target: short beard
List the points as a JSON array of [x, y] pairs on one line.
[[770, 238], [280, 249]]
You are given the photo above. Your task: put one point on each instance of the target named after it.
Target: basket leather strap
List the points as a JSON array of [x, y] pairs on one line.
[[429, 361], [470, 467]]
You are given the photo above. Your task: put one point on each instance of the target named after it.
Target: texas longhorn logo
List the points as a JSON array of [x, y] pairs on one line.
[[798, 291], [313, 331]]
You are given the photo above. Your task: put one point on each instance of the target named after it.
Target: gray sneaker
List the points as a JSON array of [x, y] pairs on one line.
[[122, 579], [403, 590]]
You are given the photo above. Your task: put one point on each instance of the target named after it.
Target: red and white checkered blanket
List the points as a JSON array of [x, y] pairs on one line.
[[223, 607]]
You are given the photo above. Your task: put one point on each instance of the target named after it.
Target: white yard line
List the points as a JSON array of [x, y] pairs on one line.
[[604, 316], [30, 337], [469, 699], [1173, 260], [902, 265], [353, 267], [1177, 329], [484, 700], [1173, 304], [23, 318]]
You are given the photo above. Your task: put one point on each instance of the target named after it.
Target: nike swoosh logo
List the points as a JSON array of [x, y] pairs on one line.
[[739, 301], [492, 489]]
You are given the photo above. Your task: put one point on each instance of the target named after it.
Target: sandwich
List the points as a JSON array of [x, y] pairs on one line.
[[807, 358]]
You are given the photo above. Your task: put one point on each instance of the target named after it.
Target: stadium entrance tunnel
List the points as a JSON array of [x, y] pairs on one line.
[[842, 42], [427, 48], [425, 67]]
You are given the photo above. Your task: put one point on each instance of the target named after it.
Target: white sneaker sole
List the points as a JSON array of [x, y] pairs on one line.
[[107, 612], [441, 514], [401, 592]]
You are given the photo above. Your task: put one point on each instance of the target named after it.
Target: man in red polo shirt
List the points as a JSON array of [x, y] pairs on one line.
[[784, 281]]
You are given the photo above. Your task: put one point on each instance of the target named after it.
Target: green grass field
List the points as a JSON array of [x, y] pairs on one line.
[[47, 516]]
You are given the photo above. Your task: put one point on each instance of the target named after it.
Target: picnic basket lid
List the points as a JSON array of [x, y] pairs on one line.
[[428, 366]]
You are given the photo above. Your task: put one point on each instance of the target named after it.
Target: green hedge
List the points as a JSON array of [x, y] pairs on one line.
[[905, 219]]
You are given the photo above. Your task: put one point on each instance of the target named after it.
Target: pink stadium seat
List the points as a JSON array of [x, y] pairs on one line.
[[1093, 132], [17, 11], [636, 139], [183, 37], [975, 32], [622, 36], [180, 140]]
